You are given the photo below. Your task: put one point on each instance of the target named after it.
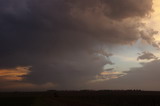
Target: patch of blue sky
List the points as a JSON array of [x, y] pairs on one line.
[[125, 57]]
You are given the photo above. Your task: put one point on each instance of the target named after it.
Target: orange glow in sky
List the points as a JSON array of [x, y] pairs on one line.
[[17, 73]]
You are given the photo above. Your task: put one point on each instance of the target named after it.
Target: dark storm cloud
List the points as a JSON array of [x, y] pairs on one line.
[[55, 36], [117, 9]]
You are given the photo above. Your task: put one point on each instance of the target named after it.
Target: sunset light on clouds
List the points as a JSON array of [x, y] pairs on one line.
[[79, 44], [14, 74]]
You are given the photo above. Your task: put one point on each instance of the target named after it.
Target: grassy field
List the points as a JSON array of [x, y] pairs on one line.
[[81, 98]]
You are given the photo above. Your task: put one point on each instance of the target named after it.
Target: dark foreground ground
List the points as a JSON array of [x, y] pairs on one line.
[[81, 98]]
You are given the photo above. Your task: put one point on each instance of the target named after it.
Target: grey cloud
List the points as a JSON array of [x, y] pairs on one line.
[[106, 28], [148, 36], [110, 69], [146, 56], [116, 9]]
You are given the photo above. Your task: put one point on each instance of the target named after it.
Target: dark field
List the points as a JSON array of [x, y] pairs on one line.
[[81, 98]]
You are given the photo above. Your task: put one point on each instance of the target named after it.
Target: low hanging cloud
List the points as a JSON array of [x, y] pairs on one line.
[[26, 86], [55, 36], [14, 79], [107, 75], [142, 78], [146, 56]]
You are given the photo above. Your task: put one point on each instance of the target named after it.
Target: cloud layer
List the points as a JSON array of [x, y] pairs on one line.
[[60, 39]]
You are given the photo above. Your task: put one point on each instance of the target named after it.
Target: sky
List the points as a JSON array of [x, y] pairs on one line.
[[79, 44]]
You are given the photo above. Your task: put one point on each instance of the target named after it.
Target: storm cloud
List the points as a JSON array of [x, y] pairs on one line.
[[61, 39]]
